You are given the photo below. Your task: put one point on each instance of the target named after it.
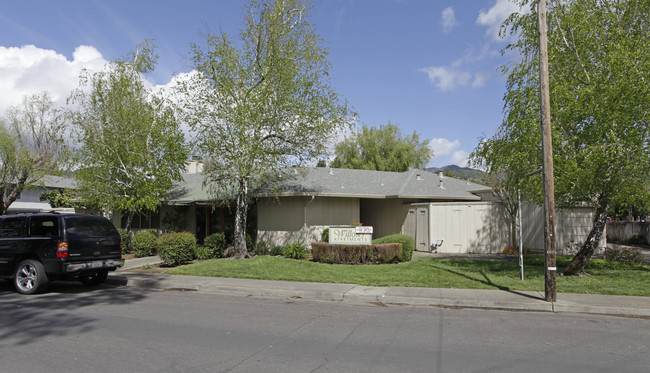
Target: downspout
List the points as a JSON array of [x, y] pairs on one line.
[[305, 211]]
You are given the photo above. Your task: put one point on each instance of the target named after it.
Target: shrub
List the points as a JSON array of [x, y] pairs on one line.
[[356, 254], [408, 244], [144, 244], [294, 251], [325, 236], [261, 249], [217, 243], [176, 248], [638, 239], [624, 255], [276, 250], [202, 252], [125, 237], [511, 250]]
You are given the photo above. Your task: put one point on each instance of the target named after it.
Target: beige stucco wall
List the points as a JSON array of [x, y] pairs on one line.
[[386, 216], [571, 228], [285, 220], [469, 227]]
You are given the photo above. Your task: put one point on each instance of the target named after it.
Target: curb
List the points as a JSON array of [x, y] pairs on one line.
[[502, 300]]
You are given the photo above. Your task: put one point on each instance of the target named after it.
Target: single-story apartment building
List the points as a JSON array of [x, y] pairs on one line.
[[432, 208]]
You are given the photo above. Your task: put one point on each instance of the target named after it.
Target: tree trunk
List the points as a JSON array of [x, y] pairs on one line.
[[240, 220], [14, 193], [581, 259], [129, 220]]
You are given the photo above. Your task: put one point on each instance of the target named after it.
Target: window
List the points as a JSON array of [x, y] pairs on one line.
[[88, 226], [13, 227], [44, 226], [145, 220]]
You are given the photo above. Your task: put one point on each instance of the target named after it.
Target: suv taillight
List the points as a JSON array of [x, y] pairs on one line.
[[62, 250]]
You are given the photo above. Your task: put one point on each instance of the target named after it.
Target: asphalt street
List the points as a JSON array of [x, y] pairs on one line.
[[115, 328]]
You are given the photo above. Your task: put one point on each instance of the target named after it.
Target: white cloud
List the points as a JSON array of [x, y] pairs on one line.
[[447, 152], [447, 78], [443, 147], [448, 19], [493, 17], [29, 69], [460, 158]]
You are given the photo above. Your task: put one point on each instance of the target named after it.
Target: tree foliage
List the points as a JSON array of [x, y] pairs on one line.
[[132, 148], [382, 149], [261, 104], [599, 69], [31, 145]]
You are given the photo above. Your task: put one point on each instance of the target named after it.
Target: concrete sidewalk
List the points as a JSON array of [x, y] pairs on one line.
[[628, 306]]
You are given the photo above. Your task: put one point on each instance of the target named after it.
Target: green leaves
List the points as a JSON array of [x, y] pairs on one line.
[[132, 146], [264, 103], [31, 145], [382, 149], [599, 73]]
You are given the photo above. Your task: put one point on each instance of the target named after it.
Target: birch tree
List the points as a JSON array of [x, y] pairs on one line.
[[599, 64], [260, 104], [31, 145], [132, 148]]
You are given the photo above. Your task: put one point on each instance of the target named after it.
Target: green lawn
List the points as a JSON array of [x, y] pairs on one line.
[[605, 277]]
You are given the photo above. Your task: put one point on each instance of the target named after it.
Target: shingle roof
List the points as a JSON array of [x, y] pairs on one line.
[[322, 181]]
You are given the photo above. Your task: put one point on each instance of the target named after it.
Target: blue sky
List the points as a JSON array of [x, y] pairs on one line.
[[429, 66]]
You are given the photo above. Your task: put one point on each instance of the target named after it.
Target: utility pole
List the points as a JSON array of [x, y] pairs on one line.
[[550, 268]]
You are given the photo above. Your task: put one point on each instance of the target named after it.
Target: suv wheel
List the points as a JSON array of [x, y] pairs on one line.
[[93, 278], [30, 277]]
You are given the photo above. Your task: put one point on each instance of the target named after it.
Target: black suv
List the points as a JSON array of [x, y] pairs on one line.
[[35, 248]]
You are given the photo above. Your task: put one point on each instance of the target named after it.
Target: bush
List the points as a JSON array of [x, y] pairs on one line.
[[217, 243], [144, 244], [325, 236], [202, 252], [637, 239], [511, 250], [356, 254], [276, 250], [261, 249], [408, 244], [125, 237], [624, 255], [176, 248], [294, 251]]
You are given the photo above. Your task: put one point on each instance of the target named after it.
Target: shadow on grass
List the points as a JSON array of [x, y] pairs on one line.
[[487, 281]]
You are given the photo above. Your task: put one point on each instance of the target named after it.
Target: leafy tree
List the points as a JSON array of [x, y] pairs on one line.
[[59, 197], [260, 105], [31, 145], [382, 149], [132, 148], [600, 101]]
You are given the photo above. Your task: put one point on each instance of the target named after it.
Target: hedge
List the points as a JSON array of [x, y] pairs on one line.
[[356, 254], [176, 248], [144, 244], [217, 243], [408, 244]]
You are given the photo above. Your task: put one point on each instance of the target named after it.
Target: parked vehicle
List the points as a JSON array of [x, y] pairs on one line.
[[38, 247]]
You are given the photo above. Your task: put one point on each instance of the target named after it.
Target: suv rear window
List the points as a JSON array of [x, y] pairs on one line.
[[12, 227], [88, 226], [44, 226]]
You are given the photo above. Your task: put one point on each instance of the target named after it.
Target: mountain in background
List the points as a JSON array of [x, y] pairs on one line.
[[475, 176]]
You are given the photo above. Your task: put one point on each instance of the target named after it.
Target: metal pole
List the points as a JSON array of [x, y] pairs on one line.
[[547, 160], [521, 238]]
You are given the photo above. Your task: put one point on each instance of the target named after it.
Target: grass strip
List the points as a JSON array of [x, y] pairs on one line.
[[605, 277]]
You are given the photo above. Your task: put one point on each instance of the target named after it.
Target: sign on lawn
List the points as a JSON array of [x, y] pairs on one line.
[[351, 235]]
